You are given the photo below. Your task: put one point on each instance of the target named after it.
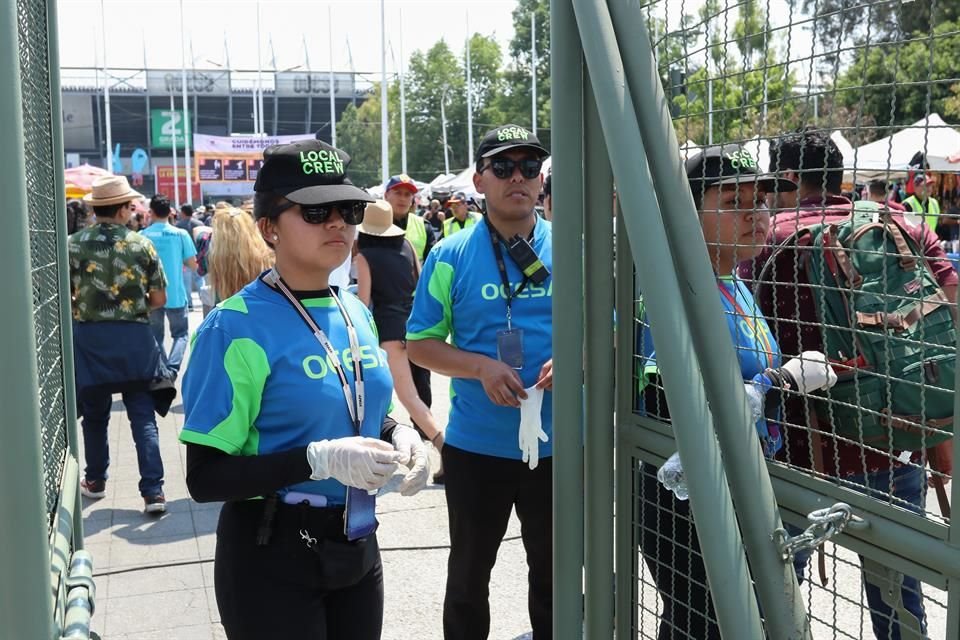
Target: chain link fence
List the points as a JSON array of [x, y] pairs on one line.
[[849, 249], [45, 229]]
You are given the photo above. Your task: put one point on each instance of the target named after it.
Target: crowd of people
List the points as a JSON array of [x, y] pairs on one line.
[[321, 302]]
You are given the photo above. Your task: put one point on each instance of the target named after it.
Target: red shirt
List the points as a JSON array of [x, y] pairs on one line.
[[794, 305]]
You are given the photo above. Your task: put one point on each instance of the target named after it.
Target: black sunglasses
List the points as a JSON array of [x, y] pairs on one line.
[[503, 167], [351, 212]]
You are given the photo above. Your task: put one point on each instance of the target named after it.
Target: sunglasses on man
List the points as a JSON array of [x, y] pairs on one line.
[[503, 168], [350, 212]]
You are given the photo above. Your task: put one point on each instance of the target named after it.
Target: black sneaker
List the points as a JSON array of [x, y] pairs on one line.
[[93, 489], [155, 504]]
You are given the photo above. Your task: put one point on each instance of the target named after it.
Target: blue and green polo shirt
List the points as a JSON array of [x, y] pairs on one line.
[[259, 382], [460, 296]]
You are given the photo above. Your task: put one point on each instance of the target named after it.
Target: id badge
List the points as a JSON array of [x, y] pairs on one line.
[[510, 347], [360, 514]]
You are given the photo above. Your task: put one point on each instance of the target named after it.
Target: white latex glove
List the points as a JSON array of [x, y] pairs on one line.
[[531, 429], [364, 463], [413, 453], [811, 371]]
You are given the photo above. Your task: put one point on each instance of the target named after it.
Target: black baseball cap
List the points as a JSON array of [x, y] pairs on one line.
[[731, 164], [308, 172], [509, 136]]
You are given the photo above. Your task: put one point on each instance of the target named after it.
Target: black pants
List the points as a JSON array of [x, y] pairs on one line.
[[285, 589], [421, 380], [668, 540], [481, 492]]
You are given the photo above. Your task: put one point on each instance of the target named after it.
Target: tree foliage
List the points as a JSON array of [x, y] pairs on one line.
[[499, 89], [897, 83]]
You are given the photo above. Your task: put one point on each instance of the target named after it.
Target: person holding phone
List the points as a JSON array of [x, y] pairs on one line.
[[286, 401]]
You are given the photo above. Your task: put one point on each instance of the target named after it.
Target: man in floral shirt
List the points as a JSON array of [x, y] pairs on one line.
[[116, 279]]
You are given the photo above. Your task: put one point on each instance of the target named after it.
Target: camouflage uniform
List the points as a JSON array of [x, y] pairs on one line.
[[111, 271]]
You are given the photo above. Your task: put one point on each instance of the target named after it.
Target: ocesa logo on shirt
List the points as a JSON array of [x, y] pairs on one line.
[[318, 367], [494, 290]]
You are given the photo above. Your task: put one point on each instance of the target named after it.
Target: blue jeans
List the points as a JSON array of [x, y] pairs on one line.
[[178, 330], [191, 282], [95, 410], [909, 483]]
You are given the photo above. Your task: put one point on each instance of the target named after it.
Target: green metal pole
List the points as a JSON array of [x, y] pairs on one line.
[[568, 198], [599, 380], [626, 561], [710, 502], [63, 260], [25, 610], [776, 581]]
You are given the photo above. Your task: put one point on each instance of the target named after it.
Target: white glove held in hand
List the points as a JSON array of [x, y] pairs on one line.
[[364, 463], [413, 455], [531, 429], [811, 371]]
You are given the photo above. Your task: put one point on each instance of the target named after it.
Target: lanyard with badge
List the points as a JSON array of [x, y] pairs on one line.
[[510, 340], [359, 519]]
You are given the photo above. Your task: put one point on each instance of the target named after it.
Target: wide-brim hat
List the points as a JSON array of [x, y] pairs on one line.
[[108, 190], [378, 220], [308, 172]]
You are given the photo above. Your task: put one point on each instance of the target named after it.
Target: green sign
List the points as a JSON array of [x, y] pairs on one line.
[[164, 126]]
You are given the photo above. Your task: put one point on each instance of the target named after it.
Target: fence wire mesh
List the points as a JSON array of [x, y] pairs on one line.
[[848, 248], [39, 151]]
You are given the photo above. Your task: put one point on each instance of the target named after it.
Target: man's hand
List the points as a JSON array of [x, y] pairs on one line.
[[501, 383], [545, 380]]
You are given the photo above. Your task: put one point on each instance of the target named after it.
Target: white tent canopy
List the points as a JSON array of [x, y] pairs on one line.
[[892, 154]]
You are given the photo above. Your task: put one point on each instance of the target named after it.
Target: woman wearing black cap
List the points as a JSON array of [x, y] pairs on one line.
[[729, 195], [285, 400]]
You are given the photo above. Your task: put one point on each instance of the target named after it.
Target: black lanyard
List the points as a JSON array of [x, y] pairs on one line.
[[510, 295], [354, 398]]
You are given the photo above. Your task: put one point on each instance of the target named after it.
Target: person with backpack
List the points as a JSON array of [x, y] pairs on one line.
[[873, 427], [728, 192]]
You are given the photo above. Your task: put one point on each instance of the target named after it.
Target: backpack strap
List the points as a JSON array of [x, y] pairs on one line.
[[831, 242], [899, 321]]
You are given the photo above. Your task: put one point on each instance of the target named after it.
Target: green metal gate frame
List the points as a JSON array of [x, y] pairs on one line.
[[609, 110], [47, 588]]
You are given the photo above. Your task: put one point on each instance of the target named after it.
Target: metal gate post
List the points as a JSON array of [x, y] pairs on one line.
[[568, 196], [599, 378], [25, 610], [776, 581], [66, 317], [725, 563]]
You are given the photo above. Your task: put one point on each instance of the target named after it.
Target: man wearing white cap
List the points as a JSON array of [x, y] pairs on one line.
[[116, 278]]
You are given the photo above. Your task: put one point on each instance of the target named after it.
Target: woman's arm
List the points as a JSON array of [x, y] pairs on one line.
[[213, 475], [364, 279]]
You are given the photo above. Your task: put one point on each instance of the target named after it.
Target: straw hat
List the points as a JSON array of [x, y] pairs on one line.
[[109, 190], [378, 220]]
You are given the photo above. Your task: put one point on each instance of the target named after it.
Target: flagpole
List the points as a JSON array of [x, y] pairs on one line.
[[443, 123], [226, 63], [173, 145], [469, 94], [333, 104], [403, 105], [384, 131], [258, 92], [106, 91], [533, 69], [186, 107]]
